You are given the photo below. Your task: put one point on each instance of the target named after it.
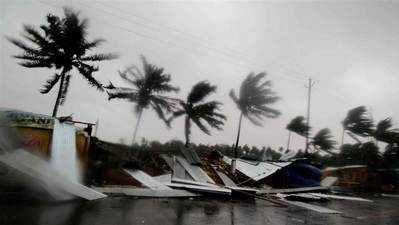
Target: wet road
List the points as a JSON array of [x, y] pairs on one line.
[[128, 211]]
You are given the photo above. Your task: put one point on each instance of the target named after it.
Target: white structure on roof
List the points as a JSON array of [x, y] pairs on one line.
[[256, 170]]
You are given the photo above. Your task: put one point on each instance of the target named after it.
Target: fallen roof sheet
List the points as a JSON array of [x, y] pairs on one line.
[[190, 182], [146, 192], [202, 189], [190, 155], [195, 171], [340, 197], [226, 180], [292, 190], [39, 169], [257, 171], [165, 178], [147, 180]]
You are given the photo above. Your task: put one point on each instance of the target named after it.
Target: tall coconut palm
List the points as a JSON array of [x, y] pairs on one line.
[[323, 140], [358, 122], [61, 44], [198, 111], [254, 100], [149, 88], [299, 126]]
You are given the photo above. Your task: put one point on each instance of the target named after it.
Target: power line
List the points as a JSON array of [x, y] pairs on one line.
[[169, 42], [196, 38]]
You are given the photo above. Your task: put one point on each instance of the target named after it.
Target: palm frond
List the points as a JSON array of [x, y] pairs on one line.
[[35, 64], [122, 93], [28, 49], [255, 97], [200, 125], [385, 132], [299, 126], [200, 91], [359, 122], [50, 84], [92, 44], [87, 71], [100, 57], [323, 139]]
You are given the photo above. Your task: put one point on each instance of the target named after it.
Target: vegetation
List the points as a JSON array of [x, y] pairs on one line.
[[254, 100], [198, 111], [62, 45], [297, 125], [149, 88]]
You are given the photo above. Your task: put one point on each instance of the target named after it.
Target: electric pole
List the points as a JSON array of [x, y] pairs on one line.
[[309, 87]]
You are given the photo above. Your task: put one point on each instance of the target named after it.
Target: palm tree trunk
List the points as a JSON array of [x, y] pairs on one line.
[[57, 101], [187, 130], [289, 140], [137, 125], [233, 162]]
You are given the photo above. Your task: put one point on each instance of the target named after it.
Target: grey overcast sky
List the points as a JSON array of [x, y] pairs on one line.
[[350, 49]]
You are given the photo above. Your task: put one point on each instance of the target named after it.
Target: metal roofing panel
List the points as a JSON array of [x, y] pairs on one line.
[[257, 171]]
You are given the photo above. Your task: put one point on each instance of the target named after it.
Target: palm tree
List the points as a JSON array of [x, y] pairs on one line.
[[62, 45], [299, 126], [149, 87], [198, 111], [358, 122], [253, 101], [323, 141], [385, 133]]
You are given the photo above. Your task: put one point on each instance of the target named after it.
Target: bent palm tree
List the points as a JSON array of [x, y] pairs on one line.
[[358, 122], [385, 133], [253, 101], [323, 141], [61, 45], [198, 111], [299, 126], [149, 87]]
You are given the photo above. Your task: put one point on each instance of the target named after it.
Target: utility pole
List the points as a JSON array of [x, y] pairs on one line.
[[309, 87]]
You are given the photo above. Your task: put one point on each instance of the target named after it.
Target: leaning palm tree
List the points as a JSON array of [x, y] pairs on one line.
[[385, 132], [299, 126], [149, 88], [62, 45], [323, 141], [198, 111], [358, 122], [253, 101]]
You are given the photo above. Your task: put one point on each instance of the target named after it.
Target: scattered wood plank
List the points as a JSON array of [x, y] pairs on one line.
[[147, 180]]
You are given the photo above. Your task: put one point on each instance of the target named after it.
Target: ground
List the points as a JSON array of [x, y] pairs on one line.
[[129, 211]]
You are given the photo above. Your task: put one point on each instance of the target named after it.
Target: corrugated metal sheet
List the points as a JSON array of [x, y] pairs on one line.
[[147, 180], [190, 155], [257, 170], [195, 171]]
